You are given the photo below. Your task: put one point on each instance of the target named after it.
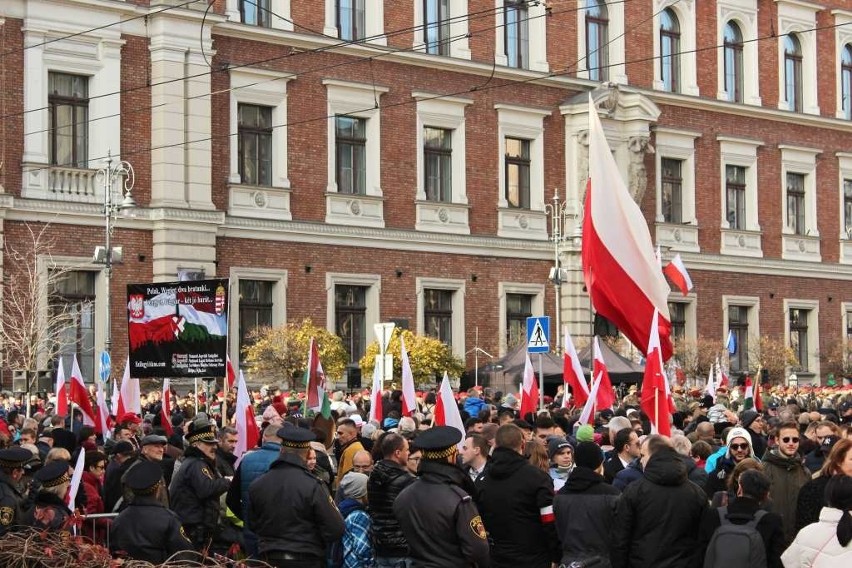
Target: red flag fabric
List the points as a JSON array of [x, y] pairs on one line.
[[230, 375], [248, 433], [529, 391], [676, 271], [572, 375], [103, 424], [621, 272], [605, 397], [315, 379], [655, 399], [446, 410], [409, 399], [79, 394], [376, 396], [61, 392], [758, 401], [166, 408]]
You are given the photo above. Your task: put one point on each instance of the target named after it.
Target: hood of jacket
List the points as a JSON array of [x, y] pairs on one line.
[[505, 462], [385, 472], [666, 468], [581, 480], [778, 459], [348, 505]]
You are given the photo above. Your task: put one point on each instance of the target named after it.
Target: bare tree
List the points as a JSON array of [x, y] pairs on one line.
[[32, 320]]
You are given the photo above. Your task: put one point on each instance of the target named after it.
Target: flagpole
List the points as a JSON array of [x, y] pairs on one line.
[[195, 393], [225, 399], [540, 383]]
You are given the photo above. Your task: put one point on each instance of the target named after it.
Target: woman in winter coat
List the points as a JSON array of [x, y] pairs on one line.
[[827, 543], [812, 495], [93, 485]]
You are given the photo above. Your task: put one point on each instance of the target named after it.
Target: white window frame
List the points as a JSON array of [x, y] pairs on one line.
[[842, 38], [744, 14], [374, 20], [616, 37], [751, 302], [279, 17], [844, 166], [845, 310], [740, 152], [279, 300], [526, 123], [459, 44], [373, 282], [799, 17], [448, 113], [679, 145], [813, 331], [505, 288], [685, 12], [800, 160], [690, 312], [458, 288], [537, 28]]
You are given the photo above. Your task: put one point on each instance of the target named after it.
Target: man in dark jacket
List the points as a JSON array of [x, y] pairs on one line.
[[787, 474], [197, 486], [625, 448], [290, 509], [657, 515], [585, 509], [387, 481], [516, 502], [755, 425], [436, 513], [225, 458]]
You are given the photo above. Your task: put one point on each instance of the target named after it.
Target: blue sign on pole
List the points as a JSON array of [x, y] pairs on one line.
[[538, 334], [105, 366]]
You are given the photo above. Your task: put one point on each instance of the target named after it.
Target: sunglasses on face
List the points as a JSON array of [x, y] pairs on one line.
[[737, 447], [789, 440]]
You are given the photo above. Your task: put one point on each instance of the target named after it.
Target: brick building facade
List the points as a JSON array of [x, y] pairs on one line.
[[357, 161]]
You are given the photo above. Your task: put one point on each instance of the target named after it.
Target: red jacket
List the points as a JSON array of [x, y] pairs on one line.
[[97, 530]]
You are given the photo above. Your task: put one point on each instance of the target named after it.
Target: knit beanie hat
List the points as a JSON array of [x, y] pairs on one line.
[[585, 433], [747, 417], [588, 454], [354, 485], [555, 444]]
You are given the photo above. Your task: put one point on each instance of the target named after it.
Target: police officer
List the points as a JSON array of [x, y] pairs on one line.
[[290, 510], [440, 521], [49, 511], [145, 529], [12, 461]]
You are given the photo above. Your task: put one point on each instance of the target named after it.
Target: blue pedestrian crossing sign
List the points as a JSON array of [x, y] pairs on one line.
[[538, 332]]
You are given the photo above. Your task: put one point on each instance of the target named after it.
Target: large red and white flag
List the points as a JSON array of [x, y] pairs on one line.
[[605, 395], [230, 376], [655, 398], [247, 431], [529, 390], [315, 378], [130, 395], [677, 273], [572, 375], [376, 395], [166, 407], [409, 397], [447, 411], [79, 394], [622, 276], [61, 393]]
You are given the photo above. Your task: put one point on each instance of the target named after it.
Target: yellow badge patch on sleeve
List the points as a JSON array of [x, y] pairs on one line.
[[183, 534], [206, 472], [7, 514], [478, 527]]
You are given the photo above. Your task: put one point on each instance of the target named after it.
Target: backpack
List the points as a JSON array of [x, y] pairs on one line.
[[736, 546]]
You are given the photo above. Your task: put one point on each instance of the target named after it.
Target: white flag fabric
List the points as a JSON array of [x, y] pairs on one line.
[[130, 399], [76, 478], [103, 411], [409, 398], [447, 411], [586, 415], [115, 396], [376, 395], [247, 430], [80, 395], [711, 383]]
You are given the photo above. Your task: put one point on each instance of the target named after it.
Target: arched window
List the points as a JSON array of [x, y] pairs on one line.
[[793, 72], [846, 81], [597, 23], [670, 50], [733, 62]]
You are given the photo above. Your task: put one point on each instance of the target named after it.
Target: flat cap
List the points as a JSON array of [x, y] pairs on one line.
[[153, 439]]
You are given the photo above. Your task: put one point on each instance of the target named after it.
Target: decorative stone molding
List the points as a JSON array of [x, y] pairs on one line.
[[741, 243], [261, 202]]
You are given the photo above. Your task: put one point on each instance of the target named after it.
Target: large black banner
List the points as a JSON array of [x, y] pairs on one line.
[[178, 329]]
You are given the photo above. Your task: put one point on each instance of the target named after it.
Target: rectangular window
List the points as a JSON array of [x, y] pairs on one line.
[[518, 173], [256, 13], [350, 313], [735, 183], [351, 140], [677, 312], [437, 158], [849, 328], [255, 144], [255, 308], [438, 314], [796, 203], [436, 26], [847, 207], [68, 116], [672, 190], [518, 309], [793, 80], [517, 35], [738, 324], [72, 303], [799, 337], [351, 16]]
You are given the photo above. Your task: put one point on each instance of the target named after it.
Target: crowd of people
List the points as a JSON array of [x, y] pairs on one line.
[[732, 486]]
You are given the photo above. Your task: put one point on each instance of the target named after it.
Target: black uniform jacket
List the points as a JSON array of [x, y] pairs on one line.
[[145, 530], [195, 491], [440, 520], [290, 510], [10, 504]]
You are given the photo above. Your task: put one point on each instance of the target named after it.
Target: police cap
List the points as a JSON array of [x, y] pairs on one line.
[[53, 474], [144, 477], [438, 442], [14, 457], [297, 438]]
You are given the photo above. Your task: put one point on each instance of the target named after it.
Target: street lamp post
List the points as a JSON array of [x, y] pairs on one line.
[[108, 255], [559, 217]]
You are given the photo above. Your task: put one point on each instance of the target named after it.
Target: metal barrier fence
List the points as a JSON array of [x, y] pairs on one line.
[[93, 519]]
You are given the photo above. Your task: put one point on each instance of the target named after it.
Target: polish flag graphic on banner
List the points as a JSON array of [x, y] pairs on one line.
[[621, 272], [677, 273]]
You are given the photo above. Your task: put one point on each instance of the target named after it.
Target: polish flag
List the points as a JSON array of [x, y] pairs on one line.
[[677, 273], [315, 378], [130, 399], [654, 397], [624, 281], [229, 373], [572, 375], [76, 479], [102, 421], [447, 411], [247, 431], [711, 383], [529, 390], [61, 393], [166, 408], [588, 413], [79, 394], [605, 396], [116, 395], [376, 396], [409, 402]]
